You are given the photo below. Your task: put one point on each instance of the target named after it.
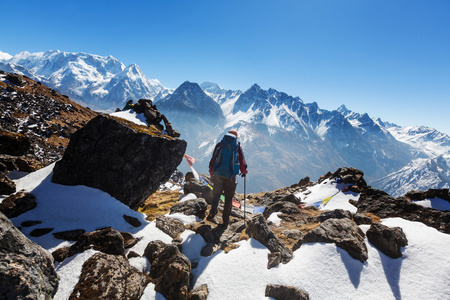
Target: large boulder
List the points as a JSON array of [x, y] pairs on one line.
[[342, 232], [126, 160], [26, 270], [106, 276], [387, 240], [384, 206]]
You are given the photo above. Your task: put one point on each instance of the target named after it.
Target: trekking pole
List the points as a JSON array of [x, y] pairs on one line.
[[245, 196]]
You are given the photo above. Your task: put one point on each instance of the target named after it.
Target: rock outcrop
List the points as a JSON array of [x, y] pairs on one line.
[[381, 204], [387, 240], [342, 232], [26, 270], [106, 276], [126, 160]]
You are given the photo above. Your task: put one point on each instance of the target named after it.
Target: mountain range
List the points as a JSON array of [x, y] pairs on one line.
[[284, 139]]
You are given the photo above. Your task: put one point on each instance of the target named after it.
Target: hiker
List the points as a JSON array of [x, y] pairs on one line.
[[226, 162]]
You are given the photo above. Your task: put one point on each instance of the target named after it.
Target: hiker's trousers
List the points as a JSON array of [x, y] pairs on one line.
[[228, 187]]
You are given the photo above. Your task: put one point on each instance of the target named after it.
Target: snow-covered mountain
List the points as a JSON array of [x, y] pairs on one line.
[[429, 169], [285, 139], [93, 80]]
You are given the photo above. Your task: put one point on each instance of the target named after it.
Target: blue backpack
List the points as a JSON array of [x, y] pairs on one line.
[[227, 162]]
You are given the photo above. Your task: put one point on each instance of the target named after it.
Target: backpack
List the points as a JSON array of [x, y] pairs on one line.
[[227, 161]]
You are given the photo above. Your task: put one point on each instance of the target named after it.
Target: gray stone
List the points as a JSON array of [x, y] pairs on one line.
[[282, 292], [195, 207], [26, 270], [170, 226], [335, 214], [106, 276], [170, 272], [126, 160], [342, 232], [260, 231], [198, 188], [17, 204], [387, 240], [200, 293]]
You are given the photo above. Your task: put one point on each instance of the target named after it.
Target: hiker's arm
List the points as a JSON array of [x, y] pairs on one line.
[[242, 162]]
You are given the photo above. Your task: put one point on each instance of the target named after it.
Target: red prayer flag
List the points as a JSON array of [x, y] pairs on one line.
[[190, 160]]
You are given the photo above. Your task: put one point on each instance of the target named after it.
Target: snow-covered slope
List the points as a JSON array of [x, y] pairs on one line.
[[324, 270], [97, 81]]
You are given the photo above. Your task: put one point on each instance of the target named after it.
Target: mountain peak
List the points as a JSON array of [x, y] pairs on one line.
[[343, 109]]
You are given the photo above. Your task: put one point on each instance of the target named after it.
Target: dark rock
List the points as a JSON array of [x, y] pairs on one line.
[[292, 234], [15, 144], [17, 204], [274, 259], [230, 234], [26, 270], [198, 188], [109, 277], [98, 156], [200, 293], [132, 221], [132, 254], [7, 186], [206, 232], [438, 193], [153, 249], [70, 235], [40, 231], [282, 206], [61, 254], [30, 223], [129, 240], [281, 292], [387, 240], [209, 249], [335, 214], [170, 226], [342, 232], [106, 240], [291, 198], [384, 206], [196, 207], [170, 272], [260, 231], [362, 219], [305, 181]]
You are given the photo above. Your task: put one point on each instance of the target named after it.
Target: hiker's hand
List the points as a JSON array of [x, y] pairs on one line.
[[243, 175]]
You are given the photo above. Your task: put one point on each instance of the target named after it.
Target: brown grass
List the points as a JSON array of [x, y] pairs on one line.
[[159, 203]]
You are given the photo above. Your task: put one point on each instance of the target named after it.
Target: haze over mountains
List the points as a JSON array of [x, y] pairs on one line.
[[284, 139]]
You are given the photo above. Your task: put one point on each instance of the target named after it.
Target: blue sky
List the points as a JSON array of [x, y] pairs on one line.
[[388, 58]]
